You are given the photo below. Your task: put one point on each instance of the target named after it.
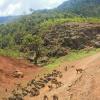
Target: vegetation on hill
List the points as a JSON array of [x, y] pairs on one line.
[[37, 41], [87, 8], [47, 33], [72, 56]]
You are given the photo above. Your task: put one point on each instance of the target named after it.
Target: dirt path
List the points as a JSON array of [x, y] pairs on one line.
[[83, 86]]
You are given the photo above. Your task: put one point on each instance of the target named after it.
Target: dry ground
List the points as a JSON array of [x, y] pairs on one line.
[[8, 66], [82, 86]]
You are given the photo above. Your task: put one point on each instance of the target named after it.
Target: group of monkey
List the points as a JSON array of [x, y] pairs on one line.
[[35, 85], [55, 97]]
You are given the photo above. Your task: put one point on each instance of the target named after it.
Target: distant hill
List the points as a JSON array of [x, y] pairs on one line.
[[89, 8], [7, 19]]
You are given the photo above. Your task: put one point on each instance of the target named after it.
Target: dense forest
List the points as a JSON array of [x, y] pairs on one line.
[[27, 36], [87, 8]]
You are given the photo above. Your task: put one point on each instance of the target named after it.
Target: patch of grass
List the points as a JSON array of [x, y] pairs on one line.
[[44, 26], [9, 52], [72, 56]]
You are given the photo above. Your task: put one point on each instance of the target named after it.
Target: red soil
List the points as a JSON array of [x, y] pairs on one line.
[[8, 65]]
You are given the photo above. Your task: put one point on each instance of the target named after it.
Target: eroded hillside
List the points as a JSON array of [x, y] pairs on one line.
[[61, 38], [20, 79]]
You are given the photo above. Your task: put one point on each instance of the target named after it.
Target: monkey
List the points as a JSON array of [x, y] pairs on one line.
[[38, 75], [72, 66], [34, 92], [79, 70], [50, 87], [55, 97], [71, 95], [59, 84], [4, 99], [25, 91], [66, 68], [60, 75], [6, 90], [45, 97], [18, 74], [18, 86]]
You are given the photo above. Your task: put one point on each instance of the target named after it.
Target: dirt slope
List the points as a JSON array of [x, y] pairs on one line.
[[8, 66], [82, 86]]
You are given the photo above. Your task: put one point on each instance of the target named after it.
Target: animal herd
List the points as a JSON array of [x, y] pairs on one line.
[[34, 86]]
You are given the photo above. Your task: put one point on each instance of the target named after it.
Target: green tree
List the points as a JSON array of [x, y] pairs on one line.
[[34, 44]]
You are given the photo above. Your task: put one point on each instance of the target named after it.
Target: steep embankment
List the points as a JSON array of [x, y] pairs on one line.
[[7, 66]]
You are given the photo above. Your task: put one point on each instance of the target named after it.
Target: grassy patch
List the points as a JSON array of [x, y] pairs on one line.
[[72, 56], [44, 26], [9, 52]]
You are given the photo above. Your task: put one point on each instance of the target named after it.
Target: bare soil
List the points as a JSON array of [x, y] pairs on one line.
[[81, 86], [8, 66]]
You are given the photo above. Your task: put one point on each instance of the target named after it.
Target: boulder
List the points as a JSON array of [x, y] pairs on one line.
[[97, 44], [44, 59], [18, 74], [58, 52]]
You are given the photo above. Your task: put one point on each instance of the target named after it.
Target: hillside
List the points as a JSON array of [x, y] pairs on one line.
[[51, 38], [47, 33], [84, 84], [52, 54], [59, 39], [87, 8], [7, 66]]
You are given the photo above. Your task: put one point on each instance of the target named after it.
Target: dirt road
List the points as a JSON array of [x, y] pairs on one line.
[[82, 86]]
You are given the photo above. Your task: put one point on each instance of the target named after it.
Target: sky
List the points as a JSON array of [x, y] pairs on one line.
[[18, 7]]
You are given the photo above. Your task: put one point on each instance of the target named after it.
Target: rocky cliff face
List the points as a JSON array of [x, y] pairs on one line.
[[60, 38]]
